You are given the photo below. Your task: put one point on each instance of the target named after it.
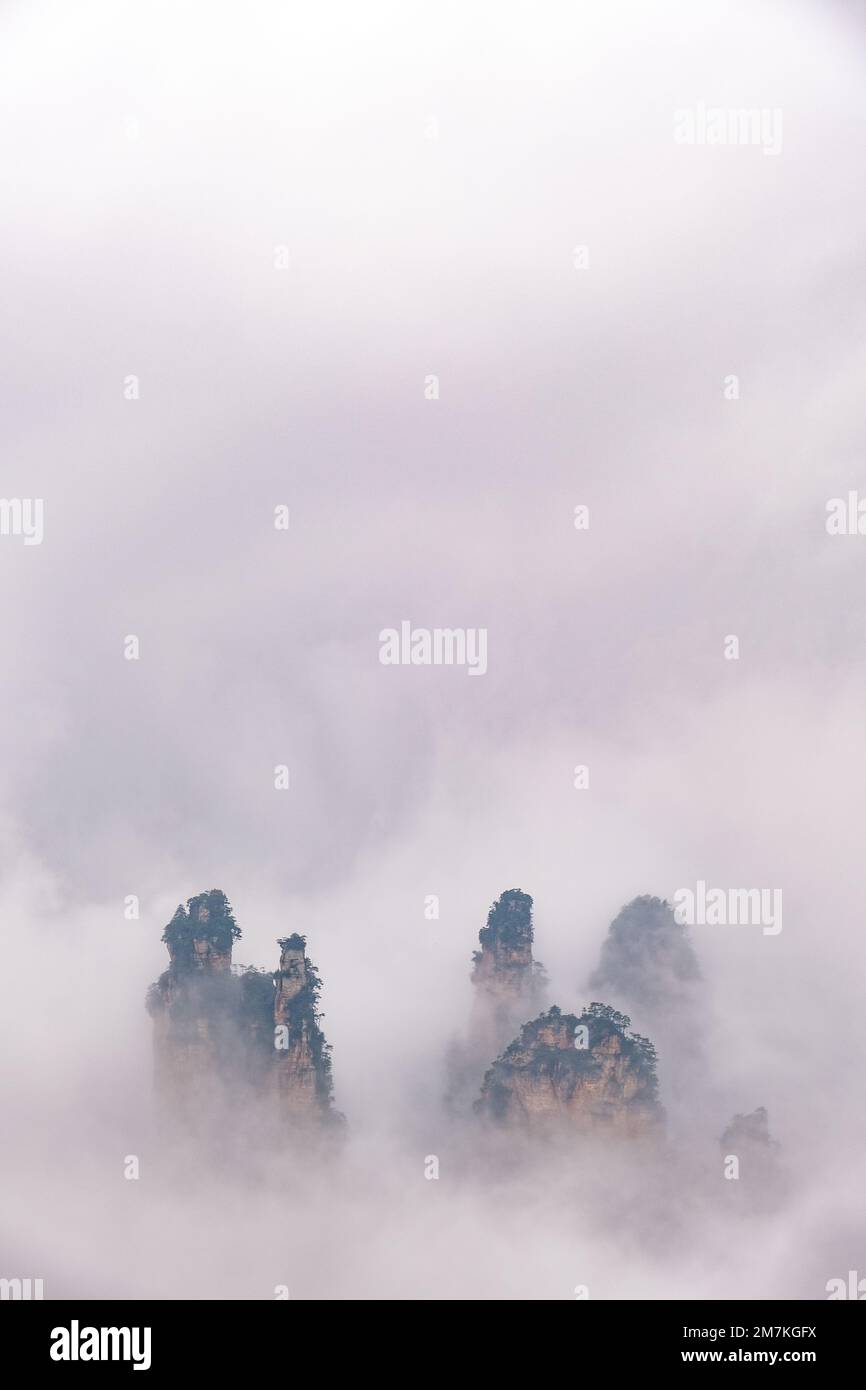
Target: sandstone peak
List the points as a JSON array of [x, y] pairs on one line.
[[229, 1035], [583, 1072], [504, 967], [507, 987], [201, 935]]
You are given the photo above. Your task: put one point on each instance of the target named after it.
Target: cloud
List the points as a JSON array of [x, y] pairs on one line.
[[156, 161]]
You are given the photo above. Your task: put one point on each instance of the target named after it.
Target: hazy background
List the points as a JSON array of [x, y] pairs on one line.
[[153, 158]]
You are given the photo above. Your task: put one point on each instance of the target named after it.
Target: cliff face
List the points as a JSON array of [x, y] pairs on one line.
[[583, 1074], [230, 1037]]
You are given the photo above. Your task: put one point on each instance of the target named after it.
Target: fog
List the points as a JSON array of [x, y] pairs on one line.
[[430, 173]]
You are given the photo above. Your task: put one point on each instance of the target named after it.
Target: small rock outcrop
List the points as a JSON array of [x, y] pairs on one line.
[[752, 1130], [577, 1073], [751, 1162], [232, 1037], [748, 1139]]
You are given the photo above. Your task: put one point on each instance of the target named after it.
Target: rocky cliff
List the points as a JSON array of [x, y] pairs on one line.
[[508, 985], [231, 1037], [302, 1069], [575, 1073], [503, 968]]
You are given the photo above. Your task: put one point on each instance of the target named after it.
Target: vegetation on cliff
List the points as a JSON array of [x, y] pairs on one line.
[[304, 1019], [565, 1062], [207, 917], [505, 959], [509, 921], [228, 1013]]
